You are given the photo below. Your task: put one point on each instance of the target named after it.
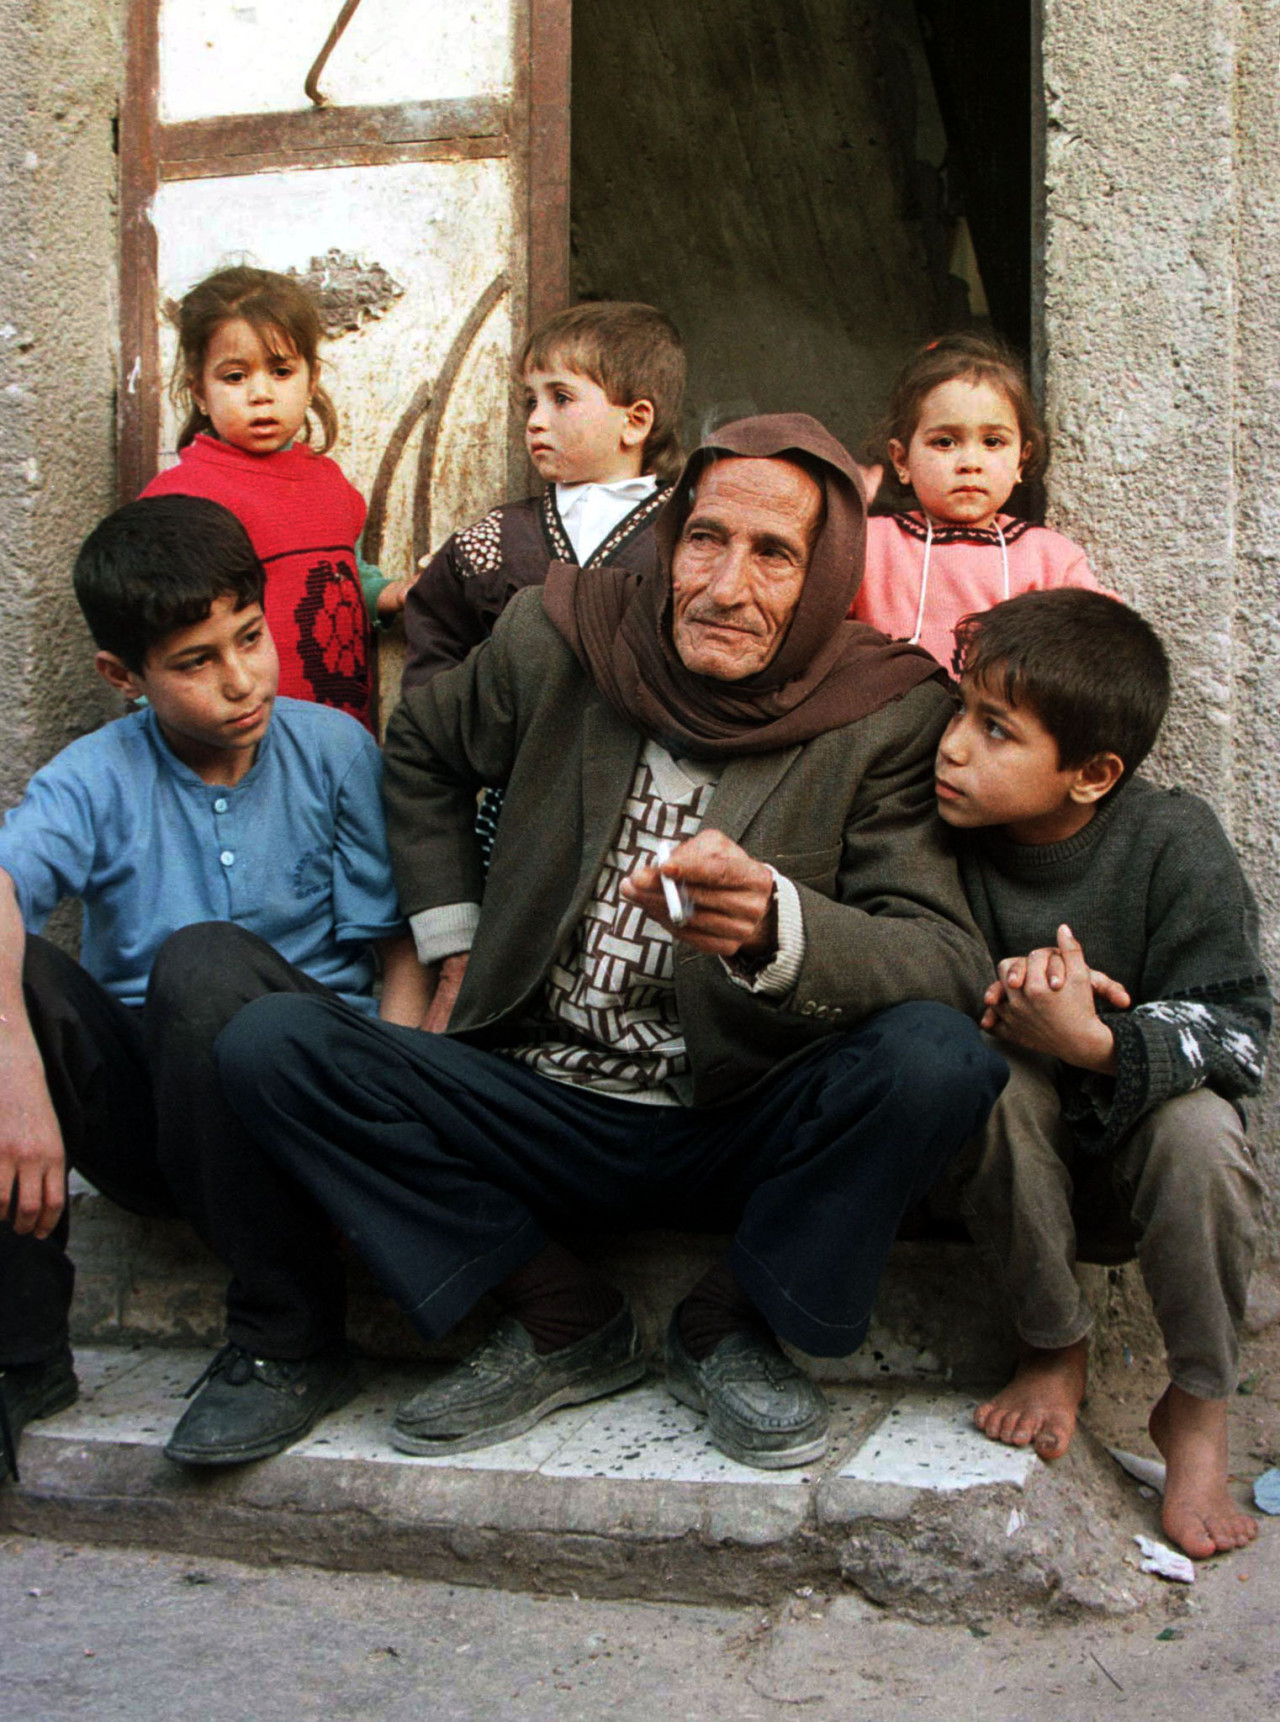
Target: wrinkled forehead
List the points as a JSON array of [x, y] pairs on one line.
[[772, 494]]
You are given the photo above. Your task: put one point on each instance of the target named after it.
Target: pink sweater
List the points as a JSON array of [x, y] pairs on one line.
[[966, 573]]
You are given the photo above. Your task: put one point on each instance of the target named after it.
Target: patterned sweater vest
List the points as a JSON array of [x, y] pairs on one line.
[[304, 520], [607, 1017]]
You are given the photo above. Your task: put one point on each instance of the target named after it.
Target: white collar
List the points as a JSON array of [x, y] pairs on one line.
[[571, 496]]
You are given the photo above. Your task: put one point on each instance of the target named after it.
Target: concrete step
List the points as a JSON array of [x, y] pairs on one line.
[[151, 1282], [626, 1497]]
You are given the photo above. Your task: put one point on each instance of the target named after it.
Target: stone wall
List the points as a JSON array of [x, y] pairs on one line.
[[57, 373], [1162, 337]]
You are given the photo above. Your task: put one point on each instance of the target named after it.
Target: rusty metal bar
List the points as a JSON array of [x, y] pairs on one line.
[[550, 68], [312, 85], [315, 130], [138, 389], [373, 155]]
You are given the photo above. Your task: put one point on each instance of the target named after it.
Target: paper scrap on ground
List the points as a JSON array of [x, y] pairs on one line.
[[1148, 1471], [1266, 1492], [1165, 1562]]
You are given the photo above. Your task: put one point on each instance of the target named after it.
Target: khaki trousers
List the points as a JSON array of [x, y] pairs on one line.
[[1183, 1182]]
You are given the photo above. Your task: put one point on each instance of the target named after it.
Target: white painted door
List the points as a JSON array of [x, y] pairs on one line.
[[410, 159]]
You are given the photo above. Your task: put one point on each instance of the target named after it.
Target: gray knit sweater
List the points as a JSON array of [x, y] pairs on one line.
[[1153, 890]]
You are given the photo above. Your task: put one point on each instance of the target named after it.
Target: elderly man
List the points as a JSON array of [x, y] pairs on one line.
[[760, 1034]]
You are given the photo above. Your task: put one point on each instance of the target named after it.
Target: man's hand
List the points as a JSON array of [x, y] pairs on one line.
[[1046, 1003], [734, 913], [33, 1166], [448, 979]]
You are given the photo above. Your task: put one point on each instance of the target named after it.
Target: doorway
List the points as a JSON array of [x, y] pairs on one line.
[[810, 190]]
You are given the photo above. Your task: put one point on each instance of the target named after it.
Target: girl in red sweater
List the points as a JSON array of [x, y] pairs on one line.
[[248, 374], [961, 432]]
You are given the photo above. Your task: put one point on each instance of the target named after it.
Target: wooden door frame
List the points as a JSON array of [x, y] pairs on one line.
[[532, 128]]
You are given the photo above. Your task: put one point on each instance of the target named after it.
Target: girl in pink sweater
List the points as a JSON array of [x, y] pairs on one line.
[[961, 432]]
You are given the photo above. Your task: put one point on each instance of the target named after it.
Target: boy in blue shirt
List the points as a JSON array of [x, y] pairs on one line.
[[225, 844]]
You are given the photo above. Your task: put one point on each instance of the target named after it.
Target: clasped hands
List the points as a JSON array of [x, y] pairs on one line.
[[1048, 1002]]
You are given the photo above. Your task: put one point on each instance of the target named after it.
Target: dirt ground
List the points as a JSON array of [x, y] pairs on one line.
[[121, 1635]]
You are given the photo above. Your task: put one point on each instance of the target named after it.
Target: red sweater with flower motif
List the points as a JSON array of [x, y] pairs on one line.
[[304, 520]]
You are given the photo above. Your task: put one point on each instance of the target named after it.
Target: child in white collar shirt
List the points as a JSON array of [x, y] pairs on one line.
[[604, 386]]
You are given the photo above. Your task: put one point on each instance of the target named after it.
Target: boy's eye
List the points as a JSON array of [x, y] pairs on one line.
[[996, 730]]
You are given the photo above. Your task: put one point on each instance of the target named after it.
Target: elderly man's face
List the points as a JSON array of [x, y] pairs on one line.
[[740, 564]]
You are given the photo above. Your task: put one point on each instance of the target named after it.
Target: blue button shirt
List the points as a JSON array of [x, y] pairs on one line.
[[296, 852]]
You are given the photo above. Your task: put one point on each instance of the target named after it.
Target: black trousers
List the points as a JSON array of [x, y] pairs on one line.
[[449, 1166], [143, 1117]]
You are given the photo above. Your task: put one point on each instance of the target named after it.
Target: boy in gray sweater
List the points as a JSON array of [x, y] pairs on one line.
[[1133, 1007]]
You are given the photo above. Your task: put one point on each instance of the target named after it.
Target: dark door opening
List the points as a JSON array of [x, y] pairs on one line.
[[810, 190]]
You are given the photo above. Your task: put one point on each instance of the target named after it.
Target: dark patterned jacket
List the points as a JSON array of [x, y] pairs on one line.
[[468, 582], [848, 817]]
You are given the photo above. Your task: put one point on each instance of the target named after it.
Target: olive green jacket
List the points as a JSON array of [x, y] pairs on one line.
[[849, 817]]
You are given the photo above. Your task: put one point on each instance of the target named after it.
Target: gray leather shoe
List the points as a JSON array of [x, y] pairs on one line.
[[504, 1387], [761, 1410]]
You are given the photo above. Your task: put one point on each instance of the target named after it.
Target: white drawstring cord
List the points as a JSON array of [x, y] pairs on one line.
[[924, 573]]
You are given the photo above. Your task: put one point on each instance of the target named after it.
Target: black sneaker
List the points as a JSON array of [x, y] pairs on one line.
[[505, 1387], [761, 1409], [29, 1391], [249, 1407]]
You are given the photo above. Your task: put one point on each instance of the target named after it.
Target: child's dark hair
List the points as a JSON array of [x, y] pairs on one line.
[[973, 358], [1093, 671], [281, 313], [634, 353], [157, 565]]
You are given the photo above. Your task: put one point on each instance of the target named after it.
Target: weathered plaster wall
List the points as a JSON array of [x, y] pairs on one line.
[[57, 273], [1162, 325]]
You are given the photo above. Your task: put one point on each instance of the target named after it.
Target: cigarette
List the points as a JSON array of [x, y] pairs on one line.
[[680, 904]]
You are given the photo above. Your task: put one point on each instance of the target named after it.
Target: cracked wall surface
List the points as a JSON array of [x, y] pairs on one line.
[[57, 330]]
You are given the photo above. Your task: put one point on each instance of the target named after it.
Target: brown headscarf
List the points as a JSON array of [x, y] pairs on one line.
[[827, 671]]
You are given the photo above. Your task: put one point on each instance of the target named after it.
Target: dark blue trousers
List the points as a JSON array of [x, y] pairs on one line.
[[449, 1166], [142, 1115]]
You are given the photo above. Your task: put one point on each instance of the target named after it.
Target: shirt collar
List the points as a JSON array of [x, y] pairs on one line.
[[570, 497]]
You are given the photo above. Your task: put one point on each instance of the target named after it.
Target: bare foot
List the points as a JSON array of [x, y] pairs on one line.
[[1199, 1514], [1038, 1407]]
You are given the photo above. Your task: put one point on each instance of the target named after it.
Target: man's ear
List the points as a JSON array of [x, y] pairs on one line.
[[638, 424], [1095, 777], [117, 674]]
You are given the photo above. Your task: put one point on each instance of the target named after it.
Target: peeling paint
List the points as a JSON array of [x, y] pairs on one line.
[[349, 292]]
